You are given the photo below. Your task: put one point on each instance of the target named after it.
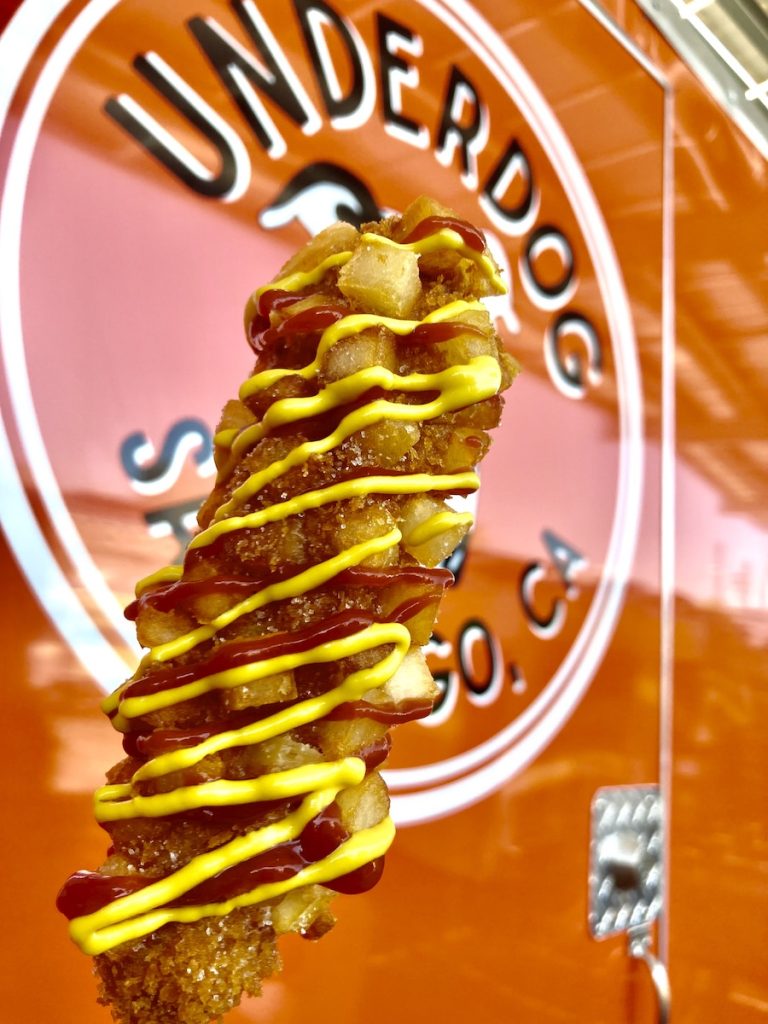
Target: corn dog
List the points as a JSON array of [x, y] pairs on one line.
[[288, 643]]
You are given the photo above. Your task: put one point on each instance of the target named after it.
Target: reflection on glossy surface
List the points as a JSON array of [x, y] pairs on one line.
[[500, 934], [719, 851]]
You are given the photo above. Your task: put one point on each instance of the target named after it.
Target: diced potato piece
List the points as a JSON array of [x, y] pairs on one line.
[[209, 606], [483, 415], [443, 261], [434, 550], [412, 681], [356, 526], [235, 415], [364, 805], [338, 237], [381, 279], [305, 910], [509, 369], [118, 864], [421, 624], [388, 441], [204, 771], [348, 738], [464, 347], [278, 755], [369, 348], [261, 691], [419, 210], [417, 510], [154, 627]]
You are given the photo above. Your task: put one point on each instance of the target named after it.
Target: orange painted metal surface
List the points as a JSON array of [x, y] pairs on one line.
[[130, 290], [719, 854]]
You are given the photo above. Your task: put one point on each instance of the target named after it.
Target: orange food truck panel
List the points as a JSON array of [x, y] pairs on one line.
[[606, 627]]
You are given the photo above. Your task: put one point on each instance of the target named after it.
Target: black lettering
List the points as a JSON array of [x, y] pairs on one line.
[[318, 195], [184, 436], [566, 559], [473, 632], [447, 681], [547, 239], [572, 370], [394, 72], [456, 131], [176, 519], [314, 16], [544, 626], [233, 175], [241, 74], [513, 216]]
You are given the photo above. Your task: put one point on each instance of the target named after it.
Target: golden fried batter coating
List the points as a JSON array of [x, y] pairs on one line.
[[196, 970]]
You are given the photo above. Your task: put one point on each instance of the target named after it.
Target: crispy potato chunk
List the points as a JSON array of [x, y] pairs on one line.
[[195, 972], [382, 280], [306, 911], [412, 682], [369, 348], [338, 237], [418, 211], [365, 805], [261, 691]]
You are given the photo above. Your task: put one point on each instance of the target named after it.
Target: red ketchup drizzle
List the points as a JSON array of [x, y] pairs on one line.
[[360, 880], [408, 711], [407, 609], [145, 745], [376, 578], [270, 300], [261, 335], [88, 891], [376, 752], [234, 814], [431, 225], [432, 334], [166, 598], [245, 652], [275, 298]]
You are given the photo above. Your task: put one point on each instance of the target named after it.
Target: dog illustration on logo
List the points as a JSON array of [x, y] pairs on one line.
[[318, 195]]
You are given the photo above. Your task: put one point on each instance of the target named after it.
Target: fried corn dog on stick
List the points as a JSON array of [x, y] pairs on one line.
[[289, 642]]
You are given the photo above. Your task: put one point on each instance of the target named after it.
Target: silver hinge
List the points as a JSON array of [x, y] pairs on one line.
[[626, 874]]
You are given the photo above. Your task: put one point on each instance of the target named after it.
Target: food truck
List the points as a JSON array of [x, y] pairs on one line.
[[582, 818]]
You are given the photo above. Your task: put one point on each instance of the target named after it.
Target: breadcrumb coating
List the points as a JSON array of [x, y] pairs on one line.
[[193, 973]]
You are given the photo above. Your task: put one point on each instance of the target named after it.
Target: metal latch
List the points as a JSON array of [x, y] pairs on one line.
[[626, 874]]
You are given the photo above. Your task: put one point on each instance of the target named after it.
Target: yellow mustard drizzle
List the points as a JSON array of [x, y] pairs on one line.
[[353, 687], [446, 238], [296, 281], [115, 803], [168, 574], [437, 524], [144, 911], [457, 386], [346, 327]]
